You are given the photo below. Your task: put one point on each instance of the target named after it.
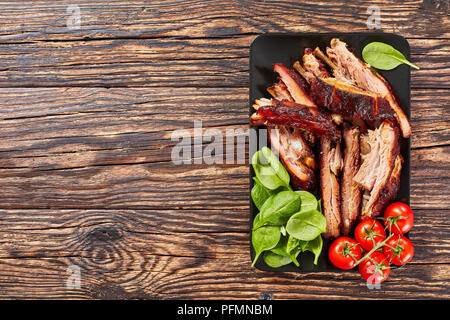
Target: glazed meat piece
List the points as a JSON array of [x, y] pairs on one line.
[[296, 115], [296, 85], [280, 91], [351, 69], [295, 154], [389, 190], [330, 165], [350, 190], [350, 101], [314, 66], [379, 150]]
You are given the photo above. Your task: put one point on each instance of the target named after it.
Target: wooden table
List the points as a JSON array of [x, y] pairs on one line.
[[86, 179]]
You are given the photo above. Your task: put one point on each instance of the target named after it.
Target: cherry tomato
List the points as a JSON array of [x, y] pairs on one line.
[[376, 268], [399, 250], [344, 252], [399, 218], [369, 233]]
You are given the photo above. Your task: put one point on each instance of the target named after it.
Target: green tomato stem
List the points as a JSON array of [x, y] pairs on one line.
[[382, 243]]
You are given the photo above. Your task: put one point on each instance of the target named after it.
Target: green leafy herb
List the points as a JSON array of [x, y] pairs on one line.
[[306, 225], [383, 56], [279, 208], [265, 238], [285, 251], [293, 248], [315, 246], [308, 201], [289, 222], [259, 193], [275, 260], [269, 170]]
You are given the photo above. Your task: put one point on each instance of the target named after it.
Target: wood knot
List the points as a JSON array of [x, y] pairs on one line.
[[266, 295], [104, 234], [441, 5]]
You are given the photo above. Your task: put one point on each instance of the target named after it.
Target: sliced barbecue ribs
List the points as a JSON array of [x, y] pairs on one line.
[[359, 168]]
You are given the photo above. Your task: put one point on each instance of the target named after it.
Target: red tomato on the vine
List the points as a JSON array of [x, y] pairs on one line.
[[398, 218], [375, 268], [344, 252], [399, 250], [369, 233]]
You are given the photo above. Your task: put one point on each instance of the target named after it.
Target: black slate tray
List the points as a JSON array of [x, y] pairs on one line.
[[268, 49]]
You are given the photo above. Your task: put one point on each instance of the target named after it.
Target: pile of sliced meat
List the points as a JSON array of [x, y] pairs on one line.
[[335, 103]]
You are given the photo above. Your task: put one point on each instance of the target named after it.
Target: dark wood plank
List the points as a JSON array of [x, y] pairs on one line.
[[166, 185], [102, 278], [204, 234], [46, 122], [150, 254], [66, 149], [47, 20], [215, 62]]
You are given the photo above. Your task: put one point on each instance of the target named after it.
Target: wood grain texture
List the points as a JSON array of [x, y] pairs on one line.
[[47, 20], [150, 254], [86, 119], [215, 62], [70, 148]]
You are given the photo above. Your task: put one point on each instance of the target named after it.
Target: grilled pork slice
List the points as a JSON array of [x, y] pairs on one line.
[[279, 91], [352, 69], [295, 84], [379, 150], [330, 165], [350, 101], [313, 65], [350, 190], [389, 190], [314, 68], [305, 74], [295, 154], [292, 114]]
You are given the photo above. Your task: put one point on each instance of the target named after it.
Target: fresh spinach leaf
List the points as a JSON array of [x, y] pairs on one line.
[[306, 225], [275, 260], [294, 247], [279, 208], [276, 165], [265, 238], [256, 219], [259, 193], [307, 200], [269, 170], [280, 248], [383, 56], [315, 246]]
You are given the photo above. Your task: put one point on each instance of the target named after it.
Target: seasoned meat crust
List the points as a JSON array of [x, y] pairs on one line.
[[295, 154], [351, 69], [350, 190], [329, 169]]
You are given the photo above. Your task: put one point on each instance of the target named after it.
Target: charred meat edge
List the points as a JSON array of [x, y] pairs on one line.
[[279, 91], [313, 69], [330, 165], [389, 190], [295, 154], [351, 68], [379, 150], [350, 101], [350, 190], [292, 114], [295, 84]]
